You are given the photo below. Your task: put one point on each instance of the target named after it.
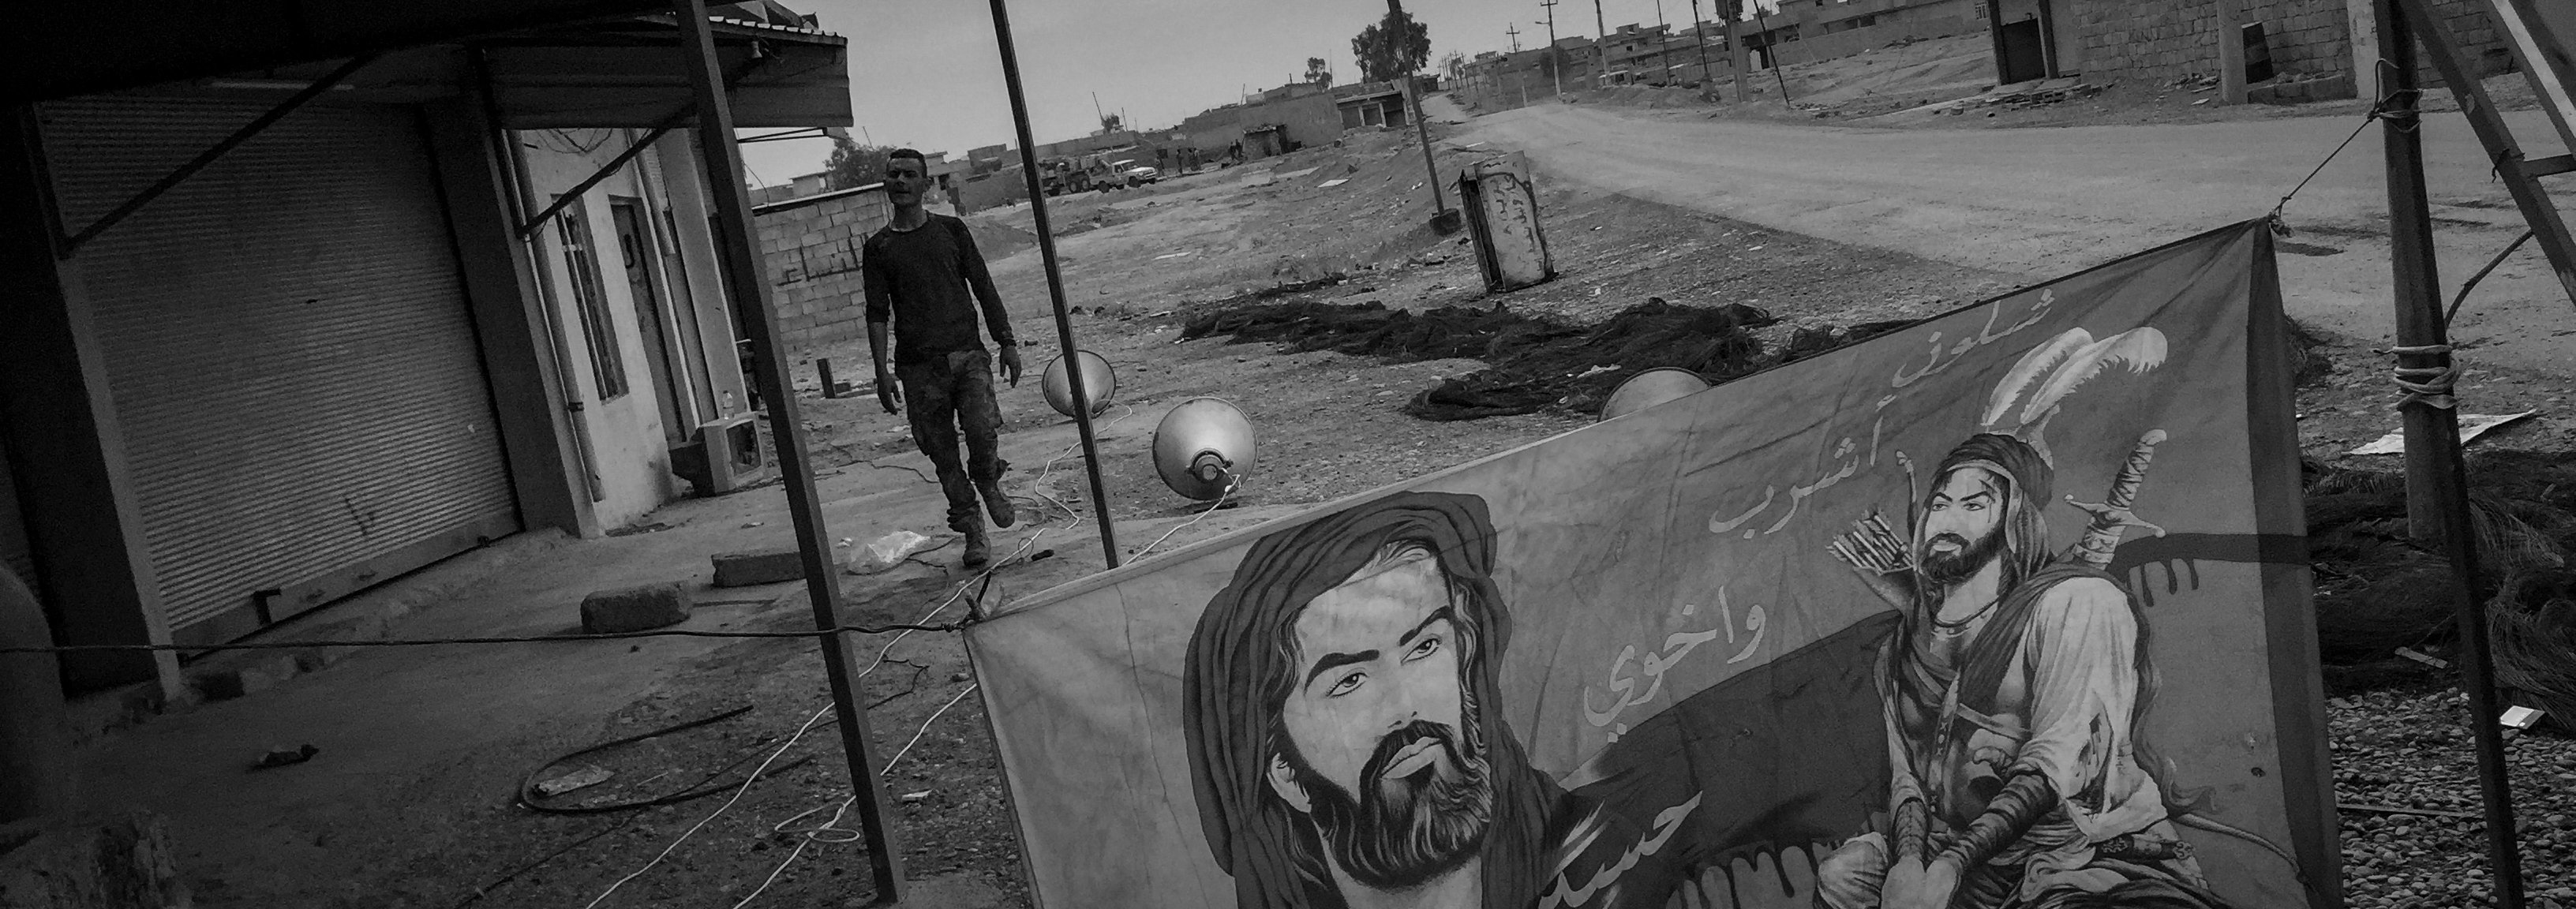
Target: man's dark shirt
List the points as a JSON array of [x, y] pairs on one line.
[[918, 280]]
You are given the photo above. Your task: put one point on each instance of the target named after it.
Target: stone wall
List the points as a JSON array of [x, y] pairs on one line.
[[2160, 41], [812, 246]]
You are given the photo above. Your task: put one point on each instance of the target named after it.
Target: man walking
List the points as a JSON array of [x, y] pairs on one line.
[[919, 269]]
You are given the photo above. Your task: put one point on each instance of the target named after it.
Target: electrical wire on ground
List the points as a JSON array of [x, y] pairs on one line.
[[720, 810], [1176, 528], [840, 835], [812, 722]]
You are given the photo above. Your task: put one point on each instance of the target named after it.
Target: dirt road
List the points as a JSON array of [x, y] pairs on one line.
[[2043, 202]]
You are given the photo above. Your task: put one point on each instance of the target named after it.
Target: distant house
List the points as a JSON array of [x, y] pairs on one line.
[[1374, 104], [437, 306]]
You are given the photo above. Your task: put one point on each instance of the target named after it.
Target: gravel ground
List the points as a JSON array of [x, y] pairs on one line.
[[2409, 747]]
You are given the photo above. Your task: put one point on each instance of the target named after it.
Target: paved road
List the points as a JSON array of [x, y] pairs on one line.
[[2047, 201]]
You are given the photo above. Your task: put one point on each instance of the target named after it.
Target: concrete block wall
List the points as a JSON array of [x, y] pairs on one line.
[[812, 247], [1814, 46], [2159, 41]]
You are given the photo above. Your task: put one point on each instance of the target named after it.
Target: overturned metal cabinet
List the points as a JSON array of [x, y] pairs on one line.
[[1502, 215]]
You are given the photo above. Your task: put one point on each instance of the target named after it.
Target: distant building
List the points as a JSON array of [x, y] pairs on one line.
[[1373, 104]]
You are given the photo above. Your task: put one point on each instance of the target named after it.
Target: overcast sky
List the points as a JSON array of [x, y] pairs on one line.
[[926, 74]]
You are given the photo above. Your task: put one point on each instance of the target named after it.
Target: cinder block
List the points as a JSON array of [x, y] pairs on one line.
[[634, 608], [743, 569]]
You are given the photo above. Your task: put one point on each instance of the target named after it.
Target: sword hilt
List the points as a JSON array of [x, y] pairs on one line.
[[2112, 514]]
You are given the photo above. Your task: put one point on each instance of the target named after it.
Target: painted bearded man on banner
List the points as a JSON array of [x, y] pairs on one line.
[[1347, 740], [2013, 687]]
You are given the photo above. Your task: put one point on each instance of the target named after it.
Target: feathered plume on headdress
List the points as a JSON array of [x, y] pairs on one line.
[[2048, 373]]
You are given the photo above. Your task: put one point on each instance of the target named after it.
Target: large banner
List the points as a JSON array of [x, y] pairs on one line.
[[2009, 608]]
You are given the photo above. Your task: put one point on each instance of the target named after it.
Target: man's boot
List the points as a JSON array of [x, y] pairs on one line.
[[995, 503], [978, 550]]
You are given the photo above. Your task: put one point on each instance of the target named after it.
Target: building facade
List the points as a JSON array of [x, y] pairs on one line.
[[281, 345]]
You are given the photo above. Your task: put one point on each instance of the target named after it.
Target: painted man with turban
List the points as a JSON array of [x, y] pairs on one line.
[[1346, 727], [2013, 687]]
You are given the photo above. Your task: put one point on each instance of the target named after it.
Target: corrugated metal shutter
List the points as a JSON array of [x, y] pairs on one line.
[[289, 348]]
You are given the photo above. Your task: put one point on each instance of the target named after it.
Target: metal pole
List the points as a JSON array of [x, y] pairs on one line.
[[1054, 276], [1413, 94], [745, 282], [2436, 481], [1771, 43]]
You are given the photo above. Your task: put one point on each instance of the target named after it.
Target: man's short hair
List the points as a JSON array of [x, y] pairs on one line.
[[908, 153]]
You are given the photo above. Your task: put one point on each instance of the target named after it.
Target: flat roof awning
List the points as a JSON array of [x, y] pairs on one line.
[[620, 71]]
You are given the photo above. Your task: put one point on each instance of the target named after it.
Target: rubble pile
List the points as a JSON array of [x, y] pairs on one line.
[[2378, 591]]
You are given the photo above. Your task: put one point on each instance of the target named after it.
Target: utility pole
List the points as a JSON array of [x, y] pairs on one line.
[[1600, 46], [1515, 32], [1735, 44], [2437, 495], [1771, 43], [1555, 54], [1664, 41], [1699, 36], [1421, 130]]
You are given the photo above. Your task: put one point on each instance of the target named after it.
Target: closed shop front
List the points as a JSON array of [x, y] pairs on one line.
[[301, 403]]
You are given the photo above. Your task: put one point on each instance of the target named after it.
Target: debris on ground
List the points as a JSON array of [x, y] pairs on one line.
[[890, 550], [2472, 425], [282, 756], [579, 779], [1536, 363], [2379, 592]]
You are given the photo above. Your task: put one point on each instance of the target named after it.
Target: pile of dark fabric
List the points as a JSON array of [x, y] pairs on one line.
[[2378, 590], [1536, 363]]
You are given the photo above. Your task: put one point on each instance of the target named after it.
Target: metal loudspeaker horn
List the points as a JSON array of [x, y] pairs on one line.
[[1098, 383], [1649, 388], [1203, 448]]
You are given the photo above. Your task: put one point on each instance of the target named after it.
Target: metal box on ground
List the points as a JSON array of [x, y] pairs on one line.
[[1502, 215], [726, 455]]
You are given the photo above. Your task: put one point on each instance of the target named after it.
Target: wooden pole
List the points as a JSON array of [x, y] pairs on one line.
[[1699, 36], [2437, 498], [1054, 276], [747, 282], [1735, 48]]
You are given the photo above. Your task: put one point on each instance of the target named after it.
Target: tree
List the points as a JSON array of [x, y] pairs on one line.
[[1318, 73], [853, 165], [1110, 123], [1395, 47]]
